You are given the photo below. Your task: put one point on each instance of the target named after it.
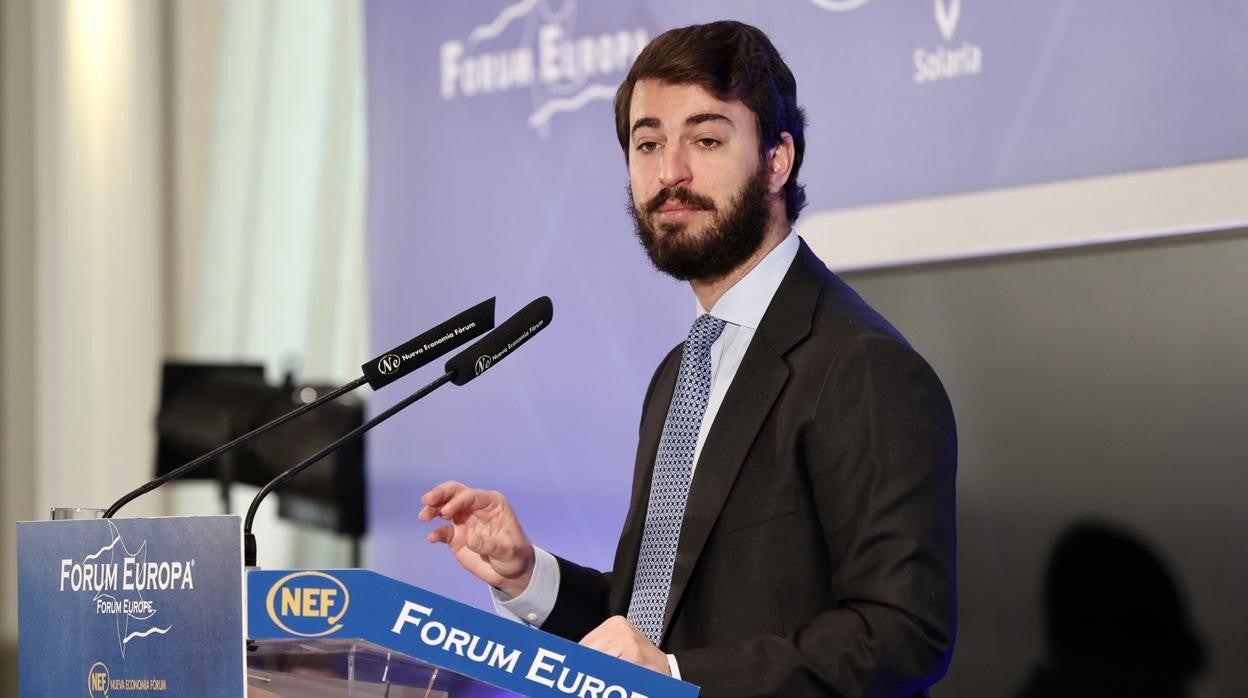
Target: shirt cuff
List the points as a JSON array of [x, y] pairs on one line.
[[673, 667], [535, 603]]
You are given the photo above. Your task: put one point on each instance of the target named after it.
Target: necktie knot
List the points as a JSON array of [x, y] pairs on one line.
[[706, 329]]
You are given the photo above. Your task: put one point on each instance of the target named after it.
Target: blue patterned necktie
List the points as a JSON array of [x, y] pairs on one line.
[[673, 471]]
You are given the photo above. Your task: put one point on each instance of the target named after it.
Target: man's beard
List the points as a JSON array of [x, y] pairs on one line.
[[711, 253]]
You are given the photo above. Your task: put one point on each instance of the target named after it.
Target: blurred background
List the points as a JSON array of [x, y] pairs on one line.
[[209, 206]]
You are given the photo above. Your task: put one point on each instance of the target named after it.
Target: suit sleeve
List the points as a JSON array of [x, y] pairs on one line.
[[582, 603], [880, 450]]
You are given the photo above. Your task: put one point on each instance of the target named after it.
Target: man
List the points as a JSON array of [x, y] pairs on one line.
[[791, 526]]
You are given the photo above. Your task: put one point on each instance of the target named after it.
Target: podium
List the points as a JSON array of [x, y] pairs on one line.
[[163, 607], [330, 668]]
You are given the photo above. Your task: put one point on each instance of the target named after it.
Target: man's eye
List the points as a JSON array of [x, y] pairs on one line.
[[708, 143], [647, 147]]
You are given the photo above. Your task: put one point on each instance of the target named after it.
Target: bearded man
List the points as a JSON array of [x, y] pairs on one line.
[[791, 525]]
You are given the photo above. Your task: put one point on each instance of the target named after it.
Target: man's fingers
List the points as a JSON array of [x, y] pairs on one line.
[[594, 640], [466, 500], [604, 643], [606, 630], [442, 534], [439, 498], [481, 542], [616, 637], [440, 493], [457, 502], [620, 638]]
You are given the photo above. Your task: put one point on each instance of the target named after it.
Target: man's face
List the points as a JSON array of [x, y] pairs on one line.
[[697, 184]]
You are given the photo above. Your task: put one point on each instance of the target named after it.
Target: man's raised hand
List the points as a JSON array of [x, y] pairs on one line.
[[483, 533]]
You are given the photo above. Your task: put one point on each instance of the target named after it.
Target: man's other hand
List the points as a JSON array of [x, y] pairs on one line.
[[618, 638], [483, 533]]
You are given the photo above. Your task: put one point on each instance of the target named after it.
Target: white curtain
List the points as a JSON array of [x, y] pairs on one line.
[[269, 252], [180, 179]]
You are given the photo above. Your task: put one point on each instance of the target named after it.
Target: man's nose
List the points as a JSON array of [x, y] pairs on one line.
[[674, 168]]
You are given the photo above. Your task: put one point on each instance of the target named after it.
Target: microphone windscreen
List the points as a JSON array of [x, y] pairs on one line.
[[503, 340], [430, 345]]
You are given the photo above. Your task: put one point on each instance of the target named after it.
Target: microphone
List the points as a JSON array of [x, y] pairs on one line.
[[501, 341], [381, 371], [429, 345], [495, 346]]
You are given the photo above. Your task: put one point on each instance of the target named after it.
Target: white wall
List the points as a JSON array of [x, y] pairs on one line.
[[267, 232], [83, 287], [17, 386], [178, 180]]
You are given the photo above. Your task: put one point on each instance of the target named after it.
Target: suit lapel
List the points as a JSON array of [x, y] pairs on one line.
[[651, 431], [754, 390]]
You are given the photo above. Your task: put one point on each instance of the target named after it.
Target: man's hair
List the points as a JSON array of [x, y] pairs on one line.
[[732, 61]]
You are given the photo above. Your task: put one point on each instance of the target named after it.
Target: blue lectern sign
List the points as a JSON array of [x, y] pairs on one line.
[[445, 633], [122, 607]]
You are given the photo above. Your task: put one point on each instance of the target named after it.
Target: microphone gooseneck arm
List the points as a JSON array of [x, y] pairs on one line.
[[216, 452], [378, 372], [468, 364], [249, 540]]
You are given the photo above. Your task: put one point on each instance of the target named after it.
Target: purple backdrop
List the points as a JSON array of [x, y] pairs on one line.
[[494, 170]]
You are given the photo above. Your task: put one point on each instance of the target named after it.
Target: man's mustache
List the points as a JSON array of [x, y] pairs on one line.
[[680, 195]]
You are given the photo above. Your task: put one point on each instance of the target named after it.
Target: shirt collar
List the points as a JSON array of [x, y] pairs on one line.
[[747, 300]]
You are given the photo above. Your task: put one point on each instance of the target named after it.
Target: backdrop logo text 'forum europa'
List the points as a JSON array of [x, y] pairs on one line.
[[562, 70]]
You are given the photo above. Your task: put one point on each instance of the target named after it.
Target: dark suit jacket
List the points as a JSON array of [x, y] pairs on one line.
[[816, 557]]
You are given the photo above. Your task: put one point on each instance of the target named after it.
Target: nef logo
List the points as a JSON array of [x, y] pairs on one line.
[[389, 364], [483, 362], [308, 604], [97, 680]]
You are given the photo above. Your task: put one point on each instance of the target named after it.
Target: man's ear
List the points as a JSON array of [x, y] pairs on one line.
[[780, 163]]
